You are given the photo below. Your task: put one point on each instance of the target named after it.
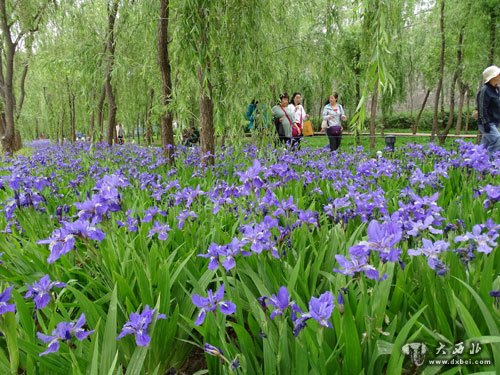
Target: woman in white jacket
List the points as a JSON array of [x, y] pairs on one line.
[[300, 116], [333, 114]]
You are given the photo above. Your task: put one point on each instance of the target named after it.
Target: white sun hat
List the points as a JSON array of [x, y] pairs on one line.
[[490, 72]]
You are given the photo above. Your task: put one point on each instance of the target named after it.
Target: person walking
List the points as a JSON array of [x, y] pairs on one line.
[[488, 106], [333, 115], [300, 116], [283, 119]]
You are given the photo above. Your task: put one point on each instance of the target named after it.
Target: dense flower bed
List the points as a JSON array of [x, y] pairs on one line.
[[270, 261]]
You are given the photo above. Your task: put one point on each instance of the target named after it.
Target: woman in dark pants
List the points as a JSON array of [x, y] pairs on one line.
[[333, 114], [283, 119]]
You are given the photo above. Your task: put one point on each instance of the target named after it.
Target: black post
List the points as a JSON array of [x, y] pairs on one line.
[[390, 140]]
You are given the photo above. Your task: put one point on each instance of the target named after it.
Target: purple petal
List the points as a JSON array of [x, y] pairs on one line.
[[80, 322], [219, 295], [371, 273], [199, 301], [142, 339], [283, 298], [201, 317], [52, 348], [228, 263], [46, 339], [227, 307], [82, 334], [42, 300]]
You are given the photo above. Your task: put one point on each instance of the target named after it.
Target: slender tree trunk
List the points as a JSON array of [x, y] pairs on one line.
[[167, 130], [8, 139], [92, 125], [63, 118], [112, 12], [373, 114], [456, 77], [100, 113], [2, 124], [147, 117], [493, 34], [467, 117], [463, 93], [22, 93], [417, 120], [441, 73], [72, 115], [207, 139]]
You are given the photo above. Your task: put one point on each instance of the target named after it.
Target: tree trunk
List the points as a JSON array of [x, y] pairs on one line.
[[373, 114], [493, 34], [100, 113], [467, 117], [167, 130], [63, 117], [441, 73], [463, 92], [92, 125], [112, 12], [456, 76], [8, 139], [147, 117], [207, 139], [2, 124], [72, 114], [22, 93], [417, 120]]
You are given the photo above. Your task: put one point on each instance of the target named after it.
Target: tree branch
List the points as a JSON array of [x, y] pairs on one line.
[[22, 94], [36, 23]]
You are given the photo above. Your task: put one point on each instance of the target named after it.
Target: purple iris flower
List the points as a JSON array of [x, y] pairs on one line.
[[251, 177], [63, 332], [285, 207], [211, 302], [6, 307], [356, 265], [61, 242], [308, 217], [183, 216], [320, 309], [213, 253], [151, 212], [160, 229], [493, 195], [85, 229], [431, 251], [40, 291], [383, 238], [130, 223], [138, 325], [483, 236], [280, 302], [258, 236], [419, 226], [230, 251]]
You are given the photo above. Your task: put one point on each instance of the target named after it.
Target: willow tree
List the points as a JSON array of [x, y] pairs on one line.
[[213, 47], [18, 20], [378, 30]]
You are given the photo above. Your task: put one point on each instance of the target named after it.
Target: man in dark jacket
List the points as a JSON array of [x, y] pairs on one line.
[[488, 105]]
